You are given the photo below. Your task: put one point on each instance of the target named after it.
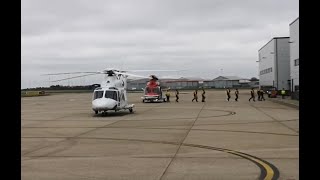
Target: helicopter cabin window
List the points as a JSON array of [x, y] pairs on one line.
[[111, 95], [98, 94]]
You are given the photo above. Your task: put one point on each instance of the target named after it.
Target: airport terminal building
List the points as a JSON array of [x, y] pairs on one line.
[[294, 55], [274, 64]]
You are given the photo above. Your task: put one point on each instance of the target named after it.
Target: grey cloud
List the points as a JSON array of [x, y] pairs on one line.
[[86, 35]]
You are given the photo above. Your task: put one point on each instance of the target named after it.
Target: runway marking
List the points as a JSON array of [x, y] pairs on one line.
[[267, 170], [257, 108], [161, 128], [181, 142]]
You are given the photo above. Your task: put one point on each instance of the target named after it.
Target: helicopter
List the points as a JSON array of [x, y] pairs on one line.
[[153, 91], [112, 94]]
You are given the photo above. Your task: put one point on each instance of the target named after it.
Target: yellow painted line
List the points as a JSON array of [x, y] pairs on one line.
[[269, 171]]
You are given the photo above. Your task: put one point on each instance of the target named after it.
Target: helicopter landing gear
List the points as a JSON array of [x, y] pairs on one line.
[[130, 110]]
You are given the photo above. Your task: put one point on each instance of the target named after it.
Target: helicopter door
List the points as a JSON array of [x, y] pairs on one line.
[[123, 99], [118, 98]]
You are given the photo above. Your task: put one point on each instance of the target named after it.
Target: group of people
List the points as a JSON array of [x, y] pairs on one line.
[[168, 95], [260, 94], [195, 95], [229, 96]]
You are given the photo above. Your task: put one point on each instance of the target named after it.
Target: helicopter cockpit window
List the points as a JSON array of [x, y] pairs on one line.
[[148, 90], [111, 95], [98, 94], [156, 90]]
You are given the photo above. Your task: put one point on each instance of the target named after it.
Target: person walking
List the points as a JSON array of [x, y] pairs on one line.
[[252, 95], [237, 94], [177, 95], [228, 94], [195, 96], [261, 95], [203, 95], [168, 95], [258, 93]]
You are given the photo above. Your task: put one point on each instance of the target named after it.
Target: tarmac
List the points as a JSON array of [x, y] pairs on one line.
[[286, 101], [62, 138]]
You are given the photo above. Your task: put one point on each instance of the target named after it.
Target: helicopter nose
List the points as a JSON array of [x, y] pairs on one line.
[[103, 104]]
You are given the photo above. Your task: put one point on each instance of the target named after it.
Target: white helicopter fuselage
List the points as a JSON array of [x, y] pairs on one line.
[[111, 95]]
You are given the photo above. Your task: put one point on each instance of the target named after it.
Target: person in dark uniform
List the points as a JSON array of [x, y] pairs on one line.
[[228, 94], [177, 95], [237, 94], [261, 95], [203, 95], [252, 95], [195, 95]]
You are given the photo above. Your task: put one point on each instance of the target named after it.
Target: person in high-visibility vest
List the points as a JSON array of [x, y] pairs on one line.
[[283, 92], [168, 95]]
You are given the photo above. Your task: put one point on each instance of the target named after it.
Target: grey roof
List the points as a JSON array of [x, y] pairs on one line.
[[231, 78], [138, 80], [272, 40], [191, 78], [294, 21], [167, 79]]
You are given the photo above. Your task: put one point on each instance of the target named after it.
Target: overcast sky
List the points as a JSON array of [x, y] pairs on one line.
[[206, 38]]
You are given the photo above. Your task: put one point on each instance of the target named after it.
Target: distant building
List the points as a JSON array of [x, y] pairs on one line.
[[195, 83], [226, 82], [182, 83], [249, 83], [294, 55], [137, 84], [274, 64]]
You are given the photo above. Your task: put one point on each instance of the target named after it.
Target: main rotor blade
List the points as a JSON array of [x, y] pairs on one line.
[[148, 70], [133, 75], [75, 77], [70, 73]]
